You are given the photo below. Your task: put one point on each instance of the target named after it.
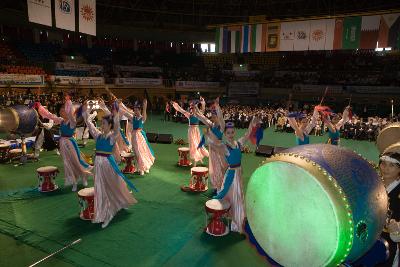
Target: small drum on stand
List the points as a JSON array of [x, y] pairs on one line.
[[217, 217], [46, 177], [86, 202], [183, 153], [198, 180], [128, 157], [15, 153], [4, 148]]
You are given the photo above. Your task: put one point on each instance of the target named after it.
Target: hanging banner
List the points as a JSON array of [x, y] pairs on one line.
[[389, 31], [351, 32], [67, 80], [65, 14], [39, 11], [301, 35], [273, 37], [317, 34], [287, 36], [338, 34], [21, 79], [369, 31], [87, 16], [138, 81]]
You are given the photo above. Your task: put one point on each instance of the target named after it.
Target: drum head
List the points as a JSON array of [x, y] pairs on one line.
[[301, 228], [127, 155], [183, 149], [86, 192], [388, 136], [47, 169], [216, 204], [16, 150], [8, 120], [199, 169]]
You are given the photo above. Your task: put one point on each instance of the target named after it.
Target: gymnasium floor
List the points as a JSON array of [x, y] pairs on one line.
[[164, 229]]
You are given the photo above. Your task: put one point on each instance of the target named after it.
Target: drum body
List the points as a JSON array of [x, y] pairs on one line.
[[20, 119], [316, 205], [199, 179], [217, 221], [129, 157], [86, 203], [46, 178], [183, 153], [4, 148]]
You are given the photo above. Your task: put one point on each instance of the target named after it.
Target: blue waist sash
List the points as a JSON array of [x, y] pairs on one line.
[[114, 165], [78, 153], [124, 137]]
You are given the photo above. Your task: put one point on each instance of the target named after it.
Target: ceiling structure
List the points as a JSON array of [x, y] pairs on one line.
[[197, 14]]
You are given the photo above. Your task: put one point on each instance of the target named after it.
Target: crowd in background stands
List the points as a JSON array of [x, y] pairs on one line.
[[281, 69]]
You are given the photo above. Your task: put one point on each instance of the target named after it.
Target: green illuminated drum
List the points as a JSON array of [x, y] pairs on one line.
[[316, 205]]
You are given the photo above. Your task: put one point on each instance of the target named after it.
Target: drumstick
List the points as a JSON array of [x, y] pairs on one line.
[[350, 100], [322, 99], [58, 251], [109, 92]]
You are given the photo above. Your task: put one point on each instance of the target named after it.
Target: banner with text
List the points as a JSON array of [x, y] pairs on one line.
[[138, 81], [87, 16], [121, 68], [39, 11], [317, 88], [243, 88], [82, 67], [195, 84], [66, 80], [374, 89], [21, 79]]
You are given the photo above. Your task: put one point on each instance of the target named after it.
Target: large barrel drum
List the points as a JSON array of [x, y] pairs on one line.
[[316, 205], [388, 138], [20, 119]]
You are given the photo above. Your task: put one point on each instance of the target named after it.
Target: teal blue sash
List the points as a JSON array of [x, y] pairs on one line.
[[78, 153], [114, 165]]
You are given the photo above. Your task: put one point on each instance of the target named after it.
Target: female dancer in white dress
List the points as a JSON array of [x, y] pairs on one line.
[[75, 166], [143, 151], [217, 164], [196, 154], [232, 185], [110, 191]]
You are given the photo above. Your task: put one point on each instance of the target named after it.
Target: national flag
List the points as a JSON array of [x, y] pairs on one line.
[[369, 31], [389, 31], [338, 34], [351, 32]]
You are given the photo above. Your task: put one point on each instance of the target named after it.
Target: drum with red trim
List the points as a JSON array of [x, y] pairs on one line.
[[46, 178], [86, 202], [199, 179], [183, 153], [4, 148], [15, 153], [217, 217], [128, 157]]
